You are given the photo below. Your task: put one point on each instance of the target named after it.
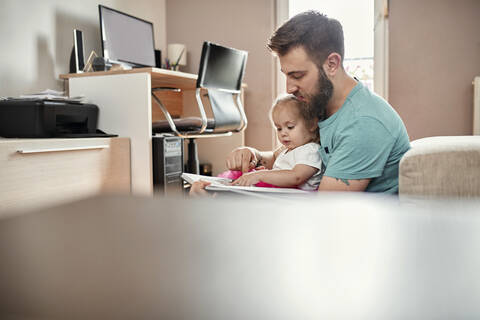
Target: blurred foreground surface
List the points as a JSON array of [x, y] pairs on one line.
[[334, 256]]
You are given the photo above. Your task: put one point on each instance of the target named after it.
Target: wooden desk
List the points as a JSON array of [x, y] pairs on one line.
[[125, 102]]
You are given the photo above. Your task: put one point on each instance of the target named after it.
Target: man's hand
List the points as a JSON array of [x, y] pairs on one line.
[[198, 188], [242, 158]]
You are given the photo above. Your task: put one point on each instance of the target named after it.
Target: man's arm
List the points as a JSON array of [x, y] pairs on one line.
[[334, 184]]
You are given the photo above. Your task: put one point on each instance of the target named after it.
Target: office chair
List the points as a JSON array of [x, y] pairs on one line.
[[221, 72]]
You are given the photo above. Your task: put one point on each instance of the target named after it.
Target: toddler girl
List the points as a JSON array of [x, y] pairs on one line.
[[297, 161]]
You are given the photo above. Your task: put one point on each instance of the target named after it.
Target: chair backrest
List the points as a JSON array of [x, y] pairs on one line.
[[221, 72], [221, 67]]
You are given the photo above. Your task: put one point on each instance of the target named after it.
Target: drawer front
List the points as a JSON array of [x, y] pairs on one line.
[[41, 172]]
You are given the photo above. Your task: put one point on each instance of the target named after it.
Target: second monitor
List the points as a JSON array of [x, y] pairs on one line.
[[126, 39]]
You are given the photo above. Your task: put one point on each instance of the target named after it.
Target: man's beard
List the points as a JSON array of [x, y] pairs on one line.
[[318, 101]]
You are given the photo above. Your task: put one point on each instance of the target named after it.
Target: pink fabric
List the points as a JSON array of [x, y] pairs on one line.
[[234, 175]]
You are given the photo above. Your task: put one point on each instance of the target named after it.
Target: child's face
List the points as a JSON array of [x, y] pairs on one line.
[[291, 128]]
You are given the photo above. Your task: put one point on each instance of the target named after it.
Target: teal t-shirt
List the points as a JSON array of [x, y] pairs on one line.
[[364, 139]]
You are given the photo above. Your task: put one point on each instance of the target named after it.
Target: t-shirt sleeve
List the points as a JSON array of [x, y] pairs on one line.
[[360, 150], [309, 155]]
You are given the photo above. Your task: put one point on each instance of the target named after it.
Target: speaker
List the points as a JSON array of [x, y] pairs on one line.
[[79, 50], [158, 58], [167, 165], [73, 67]]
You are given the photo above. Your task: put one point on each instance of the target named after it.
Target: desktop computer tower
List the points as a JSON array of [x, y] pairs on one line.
[[167, 165]]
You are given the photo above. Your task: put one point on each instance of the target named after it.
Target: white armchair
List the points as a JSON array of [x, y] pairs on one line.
[[441, 167]]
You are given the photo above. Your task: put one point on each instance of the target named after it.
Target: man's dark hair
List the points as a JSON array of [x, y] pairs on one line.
[[318, 34]]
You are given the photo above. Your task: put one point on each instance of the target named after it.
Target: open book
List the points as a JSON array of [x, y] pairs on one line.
[[224, 184]]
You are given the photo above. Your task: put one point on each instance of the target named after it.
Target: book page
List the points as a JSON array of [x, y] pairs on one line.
[[224, 184], [191, 178]]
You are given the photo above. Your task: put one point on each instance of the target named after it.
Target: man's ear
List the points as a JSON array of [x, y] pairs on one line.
[[332, 64]]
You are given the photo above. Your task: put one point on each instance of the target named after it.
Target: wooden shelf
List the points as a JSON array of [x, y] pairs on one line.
[[160, 77]]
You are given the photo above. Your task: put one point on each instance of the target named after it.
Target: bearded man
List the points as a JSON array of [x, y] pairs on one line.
[[362, 137]]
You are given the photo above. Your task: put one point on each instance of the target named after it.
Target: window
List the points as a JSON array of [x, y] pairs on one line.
[[357, 19]]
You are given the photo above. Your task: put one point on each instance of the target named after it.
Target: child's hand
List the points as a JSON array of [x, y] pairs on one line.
[[198, 188], [248, 179]]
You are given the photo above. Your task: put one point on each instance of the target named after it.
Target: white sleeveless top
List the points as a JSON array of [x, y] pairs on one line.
[[308, 154]]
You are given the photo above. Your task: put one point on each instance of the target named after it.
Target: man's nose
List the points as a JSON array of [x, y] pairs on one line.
[[291, 87]]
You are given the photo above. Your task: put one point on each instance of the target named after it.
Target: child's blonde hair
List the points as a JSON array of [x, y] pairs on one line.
[[311, 121]]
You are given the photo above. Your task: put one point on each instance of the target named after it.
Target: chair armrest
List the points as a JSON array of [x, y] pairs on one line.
[[171, 122], [441, 166]]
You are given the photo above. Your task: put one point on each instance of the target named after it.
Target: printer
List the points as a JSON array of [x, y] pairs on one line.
[[37, 118]]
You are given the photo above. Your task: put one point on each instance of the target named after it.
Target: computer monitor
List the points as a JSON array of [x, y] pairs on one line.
[[126, 39]]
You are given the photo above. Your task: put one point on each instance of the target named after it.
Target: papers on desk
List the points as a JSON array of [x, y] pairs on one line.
[[53, 95], [223, 184]]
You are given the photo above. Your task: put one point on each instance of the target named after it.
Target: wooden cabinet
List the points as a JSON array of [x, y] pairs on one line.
[[41, 172]]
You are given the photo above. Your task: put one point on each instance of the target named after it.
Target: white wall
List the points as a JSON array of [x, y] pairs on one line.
[[37, 37], [246, 25], [434, 55]]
